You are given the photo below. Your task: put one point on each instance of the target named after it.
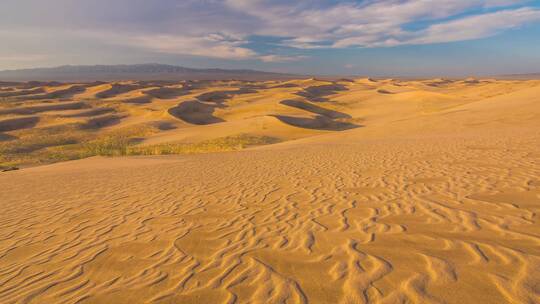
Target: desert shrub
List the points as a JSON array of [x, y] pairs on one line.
[[229, 143], [68, 142]]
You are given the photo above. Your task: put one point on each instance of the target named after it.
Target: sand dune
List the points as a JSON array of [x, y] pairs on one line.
[[318, 122], [39, 108], [195, 112], [91, 112], [139, 99], [22, 92], [319, 92], [314, 108], [117, 89], [166, 93], [62, 93], [102, 121], [430, 194], [18, 123]]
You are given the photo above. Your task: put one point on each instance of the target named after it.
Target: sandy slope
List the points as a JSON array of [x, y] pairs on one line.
[[432, 198]]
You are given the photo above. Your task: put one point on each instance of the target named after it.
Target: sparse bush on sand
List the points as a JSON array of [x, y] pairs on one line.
[[229, 143], [35, 148]]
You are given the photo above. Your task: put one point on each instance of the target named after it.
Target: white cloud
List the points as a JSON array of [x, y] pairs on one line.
[[225, 29], [215, 45], [311, 24], [280, 58], [475, 27], [212, 45]]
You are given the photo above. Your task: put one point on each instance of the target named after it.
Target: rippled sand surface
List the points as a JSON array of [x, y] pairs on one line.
[[430, 199]]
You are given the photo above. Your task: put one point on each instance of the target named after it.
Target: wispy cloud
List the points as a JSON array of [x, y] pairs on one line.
[[212, 45], [229, 29], [475, 27], [311, 24], [281, 58]]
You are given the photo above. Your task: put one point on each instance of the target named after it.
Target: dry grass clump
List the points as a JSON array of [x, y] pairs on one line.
[[229, 143], [125, 144], [29, 146], [114, 143], [70, 142]]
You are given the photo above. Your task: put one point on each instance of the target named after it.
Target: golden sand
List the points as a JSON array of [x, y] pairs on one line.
[[379, 192]]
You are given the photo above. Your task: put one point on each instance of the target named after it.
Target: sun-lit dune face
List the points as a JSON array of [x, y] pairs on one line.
[[50, 122], [315, 191]]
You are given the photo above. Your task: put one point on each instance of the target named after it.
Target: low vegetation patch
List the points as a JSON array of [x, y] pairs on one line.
[[66, 142], [229, 143], [47, 146]]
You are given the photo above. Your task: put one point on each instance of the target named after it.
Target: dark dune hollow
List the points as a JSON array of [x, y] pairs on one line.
[[318, 123], [117, 89], [7, 137], [102, 121], [319, 93], [139, 100], [22, 92], [306, 106], [221, 96], [65, 93], [44, 108], [166, 93], [195, 112], [13, 124], [91, 112], [165, 125]]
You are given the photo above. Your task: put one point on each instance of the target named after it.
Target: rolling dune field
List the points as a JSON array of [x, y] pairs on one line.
[[299, 191]]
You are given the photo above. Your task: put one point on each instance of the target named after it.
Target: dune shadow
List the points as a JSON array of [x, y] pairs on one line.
[[319, 93], [306, 106], [222, 96], [317, 123], [383, 91], [22, 92], [34, 84], [91, 112], [139, 100], [439, 82], [45, 108], [471, 81], [195, 112], [7, 137], [102, 121], [13, 124], [167, 93], [216, 97], [156, 83], [165, 126], [284, 86], [117, 89], [65, 93]]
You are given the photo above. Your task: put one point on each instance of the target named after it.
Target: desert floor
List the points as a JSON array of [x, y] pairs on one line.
[[306, 191]]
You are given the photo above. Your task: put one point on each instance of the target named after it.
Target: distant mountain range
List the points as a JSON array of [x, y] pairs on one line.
[[134, 72], [519, 76], [154, 71]]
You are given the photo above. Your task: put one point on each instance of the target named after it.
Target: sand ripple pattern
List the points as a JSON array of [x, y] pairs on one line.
[[413, 222]]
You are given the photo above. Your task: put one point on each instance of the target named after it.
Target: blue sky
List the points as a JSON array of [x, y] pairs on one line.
[[378, 38]]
